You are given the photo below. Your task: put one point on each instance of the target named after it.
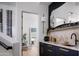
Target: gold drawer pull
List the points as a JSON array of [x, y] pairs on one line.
[[49, 45], [64, 49], [50, 50]]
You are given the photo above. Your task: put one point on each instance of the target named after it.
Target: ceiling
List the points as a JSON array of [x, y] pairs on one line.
[[14, 3], [45, 3], [8, 3]]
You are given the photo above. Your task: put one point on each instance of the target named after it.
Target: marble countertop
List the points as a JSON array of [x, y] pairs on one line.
[[69, 47]]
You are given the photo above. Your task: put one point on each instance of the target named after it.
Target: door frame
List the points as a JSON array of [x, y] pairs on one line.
[[22, 25]]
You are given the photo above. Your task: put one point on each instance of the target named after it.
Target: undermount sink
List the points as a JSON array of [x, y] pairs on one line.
[[72, 46], [75, 46]]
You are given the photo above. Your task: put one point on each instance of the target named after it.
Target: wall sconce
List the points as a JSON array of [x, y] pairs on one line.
[[43, 19]]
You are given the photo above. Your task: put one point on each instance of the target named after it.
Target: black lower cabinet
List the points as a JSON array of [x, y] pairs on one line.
[[67, 52], [51, 50]]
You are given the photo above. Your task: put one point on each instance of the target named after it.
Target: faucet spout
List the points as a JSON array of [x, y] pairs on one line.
[[75, 38]]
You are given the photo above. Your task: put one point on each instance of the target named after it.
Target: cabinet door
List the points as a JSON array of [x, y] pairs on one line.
[[51, 50], [78, 53], [55, 50], [48, 50], [73, 53], [42, 50], [67, 52], [63, 51]]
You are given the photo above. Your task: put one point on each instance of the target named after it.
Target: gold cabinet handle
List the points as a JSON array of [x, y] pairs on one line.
[[64, 49], [49, 45], [50, 50]]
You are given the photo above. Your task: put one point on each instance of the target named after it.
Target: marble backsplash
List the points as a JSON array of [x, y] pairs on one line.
[[65, 36]]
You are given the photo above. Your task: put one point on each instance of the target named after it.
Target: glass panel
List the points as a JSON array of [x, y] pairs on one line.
[[1, 20], [9, 23]]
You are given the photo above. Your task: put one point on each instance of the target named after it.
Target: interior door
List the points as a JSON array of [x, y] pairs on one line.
[[30, 26]]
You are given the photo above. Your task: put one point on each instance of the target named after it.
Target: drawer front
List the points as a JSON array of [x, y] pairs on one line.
[[63, 51], [48, 52], [73, 53], [51, 47], [51, 50], [48, 46], [78, 53], [67, 52]]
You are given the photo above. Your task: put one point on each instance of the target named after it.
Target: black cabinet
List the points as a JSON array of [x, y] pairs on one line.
[[67, 52], [41, 49], [52, 50], [47, 50]]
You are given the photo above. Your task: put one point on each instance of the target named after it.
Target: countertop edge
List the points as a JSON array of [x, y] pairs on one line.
[[73, 48]]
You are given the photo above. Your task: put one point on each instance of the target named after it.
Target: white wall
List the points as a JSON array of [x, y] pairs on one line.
[[10, 41], [34, 7], [43, 9], [13, 8]]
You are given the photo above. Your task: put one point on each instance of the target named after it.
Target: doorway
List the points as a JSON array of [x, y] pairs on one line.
[[30, 31]]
